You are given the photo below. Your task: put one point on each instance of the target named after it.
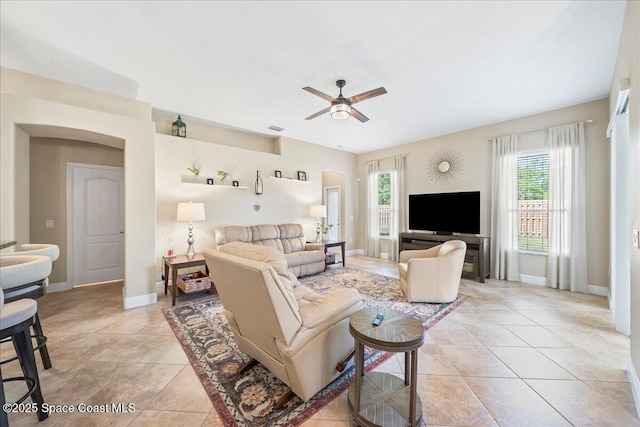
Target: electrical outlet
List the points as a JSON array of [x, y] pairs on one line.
[[48, 223], [635, 237]]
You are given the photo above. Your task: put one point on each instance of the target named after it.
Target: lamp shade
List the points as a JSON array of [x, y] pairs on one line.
[[190, 212], [340, 111], [318, 211]]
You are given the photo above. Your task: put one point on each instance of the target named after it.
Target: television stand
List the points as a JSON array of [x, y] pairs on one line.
[[476, 260]]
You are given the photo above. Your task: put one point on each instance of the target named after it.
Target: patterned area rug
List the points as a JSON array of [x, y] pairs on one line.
[[249, 399]]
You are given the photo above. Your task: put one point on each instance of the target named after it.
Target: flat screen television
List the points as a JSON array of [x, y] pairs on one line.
[[445, 213]]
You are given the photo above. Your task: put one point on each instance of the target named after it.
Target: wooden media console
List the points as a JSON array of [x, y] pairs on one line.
[[476, 261]]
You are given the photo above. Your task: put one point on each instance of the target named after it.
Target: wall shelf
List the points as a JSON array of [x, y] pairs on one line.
[[288, 179], [202, 180]]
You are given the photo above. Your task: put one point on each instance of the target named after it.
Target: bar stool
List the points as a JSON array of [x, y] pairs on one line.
[[44, 249], [15, 320], [24, 276]]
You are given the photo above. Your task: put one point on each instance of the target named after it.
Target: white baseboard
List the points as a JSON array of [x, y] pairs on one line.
[[610, 301], [160, 286], [635, 384], [354, 252], [140, 300], [602, 291], [534, 280], [539, 280], [59, 287]]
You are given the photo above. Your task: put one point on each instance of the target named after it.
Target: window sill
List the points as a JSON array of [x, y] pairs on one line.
[[534, 253]]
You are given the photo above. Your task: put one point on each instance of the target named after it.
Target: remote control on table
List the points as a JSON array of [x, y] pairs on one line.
[[378, 319]]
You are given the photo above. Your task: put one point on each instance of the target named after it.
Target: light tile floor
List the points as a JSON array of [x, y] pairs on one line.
[[512, 355]]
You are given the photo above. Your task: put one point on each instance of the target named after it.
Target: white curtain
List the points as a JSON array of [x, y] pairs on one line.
[[398, 206], [504, 209], [372, 241], [567, 259]]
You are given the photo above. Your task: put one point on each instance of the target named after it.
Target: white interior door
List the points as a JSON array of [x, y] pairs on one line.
[[96, 223], [332, 200]]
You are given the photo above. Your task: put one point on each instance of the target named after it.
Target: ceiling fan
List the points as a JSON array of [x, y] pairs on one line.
[[341, 107]]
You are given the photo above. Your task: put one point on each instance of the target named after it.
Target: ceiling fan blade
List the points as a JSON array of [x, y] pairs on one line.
[[318, 93], [367, 95], [358, 115], [319, 113]]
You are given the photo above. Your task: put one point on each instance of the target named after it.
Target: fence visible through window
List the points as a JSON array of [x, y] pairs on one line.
[[384, 219], [532, 225]]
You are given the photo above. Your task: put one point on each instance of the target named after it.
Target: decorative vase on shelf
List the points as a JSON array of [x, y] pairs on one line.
[[258, 187], [223, 176], [195, 171]]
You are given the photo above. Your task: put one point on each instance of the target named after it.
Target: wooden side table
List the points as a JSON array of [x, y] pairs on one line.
[[176, 263], [379, 398], [333, 243]]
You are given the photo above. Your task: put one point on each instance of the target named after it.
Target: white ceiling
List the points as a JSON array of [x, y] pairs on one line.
[[447, 66]]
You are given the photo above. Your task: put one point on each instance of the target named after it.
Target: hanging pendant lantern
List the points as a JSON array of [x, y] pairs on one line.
[[258, 187], [179, 128]]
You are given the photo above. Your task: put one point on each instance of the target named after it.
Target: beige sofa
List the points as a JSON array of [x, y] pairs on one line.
[[302, 258], [432, 275], [297, 334]]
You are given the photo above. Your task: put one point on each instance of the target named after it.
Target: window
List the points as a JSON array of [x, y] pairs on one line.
[[384, 203], [533, 197]]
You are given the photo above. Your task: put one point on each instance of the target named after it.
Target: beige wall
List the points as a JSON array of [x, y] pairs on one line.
[[209, 132], [89, 111], [475, 149], [31, 86], [21, 174], [628, 65], [282, 200], [48, 189]]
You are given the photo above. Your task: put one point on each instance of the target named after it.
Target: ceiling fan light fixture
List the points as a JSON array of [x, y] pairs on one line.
[[340, 111], [341, 107]]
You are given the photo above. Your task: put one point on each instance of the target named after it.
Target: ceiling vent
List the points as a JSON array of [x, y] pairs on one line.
[[276, 128]]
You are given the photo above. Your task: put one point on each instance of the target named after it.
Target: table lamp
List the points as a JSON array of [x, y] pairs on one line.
[[319, 212], [190, 212]]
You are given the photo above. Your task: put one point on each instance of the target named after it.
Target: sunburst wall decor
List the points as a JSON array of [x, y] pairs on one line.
[[445, 166]]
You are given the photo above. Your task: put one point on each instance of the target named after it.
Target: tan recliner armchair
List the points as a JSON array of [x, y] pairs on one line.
[[432, 275], [297, 334]]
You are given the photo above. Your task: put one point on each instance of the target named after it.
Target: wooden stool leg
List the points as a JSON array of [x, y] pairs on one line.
[[44, 353], [22, 341]]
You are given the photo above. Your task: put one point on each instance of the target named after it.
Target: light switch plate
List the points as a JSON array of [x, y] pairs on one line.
[[49, 223], [636, 237]]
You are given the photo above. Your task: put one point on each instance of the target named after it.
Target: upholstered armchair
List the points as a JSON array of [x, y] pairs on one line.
[[298, 335], [432, 275]]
